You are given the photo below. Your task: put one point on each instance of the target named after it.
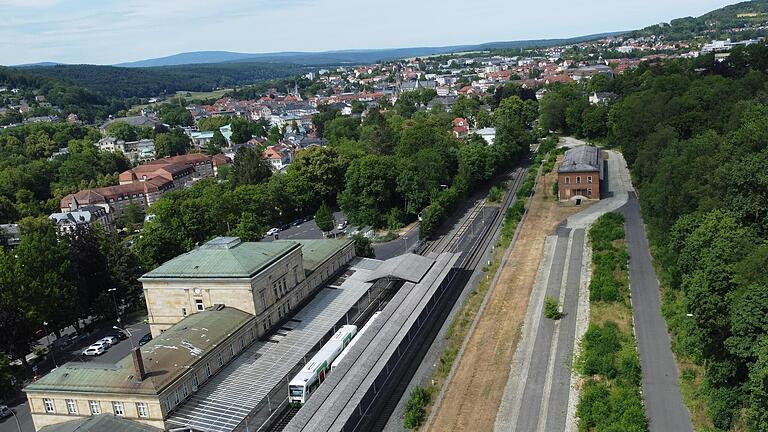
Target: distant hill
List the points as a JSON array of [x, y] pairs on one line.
[[345, 56], [40, 64], [716, 24]]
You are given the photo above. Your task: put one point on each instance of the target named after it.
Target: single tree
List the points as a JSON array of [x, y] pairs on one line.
[[324, 218], [363, 246]]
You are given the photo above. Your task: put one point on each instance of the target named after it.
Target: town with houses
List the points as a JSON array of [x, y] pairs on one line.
[[273, 293], [344, 88]]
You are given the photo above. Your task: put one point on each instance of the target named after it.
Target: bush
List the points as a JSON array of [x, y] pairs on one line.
[[552, 308], [414, 408], [601, 345], [556, 189], [494, 195]]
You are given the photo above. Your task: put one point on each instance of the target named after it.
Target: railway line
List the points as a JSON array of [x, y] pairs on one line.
[[472, 237]]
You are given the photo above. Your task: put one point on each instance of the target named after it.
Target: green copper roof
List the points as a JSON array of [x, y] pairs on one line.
[[224, 257], [166, 357], [315, 252]]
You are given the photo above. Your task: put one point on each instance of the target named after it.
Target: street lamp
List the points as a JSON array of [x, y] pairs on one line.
[[130, 335], [48, 342], [114, 300]]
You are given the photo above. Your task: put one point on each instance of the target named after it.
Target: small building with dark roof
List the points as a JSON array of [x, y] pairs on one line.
[[580, 174]]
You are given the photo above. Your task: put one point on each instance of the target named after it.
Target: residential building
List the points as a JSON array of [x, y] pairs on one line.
[[150, 382], [145, 184], [87, 215], [599, 98], [579, 175], [278, 156], [9, 235], [488, 134], [460, 127], [266, 279]]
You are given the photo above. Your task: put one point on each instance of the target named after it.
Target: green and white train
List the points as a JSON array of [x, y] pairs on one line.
[[315, 371]]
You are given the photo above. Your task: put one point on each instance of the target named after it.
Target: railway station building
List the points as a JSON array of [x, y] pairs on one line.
[[268, 280], [150, 382], [580, 175]]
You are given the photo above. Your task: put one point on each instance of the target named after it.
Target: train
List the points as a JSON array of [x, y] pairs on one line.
[[360, 334], [301, 387]]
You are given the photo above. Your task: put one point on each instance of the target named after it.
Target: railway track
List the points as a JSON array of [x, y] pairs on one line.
[[284, 419], [475, 244]]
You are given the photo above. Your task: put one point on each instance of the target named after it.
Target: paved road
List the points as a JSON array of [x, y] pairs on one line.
[[72, 353], [663, 403], [399, 246]]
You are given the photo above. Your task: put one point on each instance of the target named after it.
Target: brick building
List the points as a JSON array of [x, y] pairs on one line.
[[579, 175]]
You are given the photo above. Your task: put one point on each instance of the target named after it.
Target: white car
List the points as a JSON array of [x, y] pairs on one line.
[[273, 231], [108, 341], [94, 350], [101, 343], [341, 226]]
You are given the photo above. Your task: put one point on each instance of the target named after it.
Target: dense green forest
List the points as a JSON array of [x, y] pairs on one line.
[[716, 24], [695, 134], [89, 105], [119, 82]]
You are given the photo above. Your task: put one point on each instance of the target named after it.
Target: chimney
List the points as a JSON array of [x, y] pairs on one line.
[[138, 363]]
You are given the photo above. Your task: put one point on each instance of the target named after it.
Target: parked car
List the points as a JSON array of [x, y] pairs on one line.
[[109, 340], [120, 335], [297, 222], [285, 227], [102, 344], [341, 226], [273, 231], [308, 218], [5, 411], [94, 350], [146, 338]]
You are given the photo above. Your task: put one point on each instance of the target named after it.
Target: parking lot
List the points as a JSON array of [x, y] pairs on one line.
[[72, 353]]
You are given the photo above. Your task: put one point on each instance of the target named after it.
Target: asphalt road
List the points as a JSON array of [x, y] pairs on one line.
[[663, 404], [306, 230], [72, 353]]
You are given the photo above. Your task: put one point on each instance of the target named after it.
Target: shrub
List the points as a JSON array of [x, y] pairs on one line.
[[414, 408], [494, 195], [556, 189], [552, 308], [601, 346]]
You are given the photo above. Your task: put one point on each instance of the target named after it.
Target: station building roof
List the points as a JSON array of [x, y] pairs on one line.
[[166, 357], [581, 159], [100, 423]]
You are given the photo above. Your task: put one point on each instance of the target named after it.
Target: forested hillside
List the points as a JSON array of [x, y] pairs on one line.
[[695, 134], [716, 24], [87, 104], [120, 82]]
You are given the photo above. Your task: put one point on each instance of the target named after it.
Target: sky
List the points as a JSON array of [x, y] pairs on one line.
[[115, 31]]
